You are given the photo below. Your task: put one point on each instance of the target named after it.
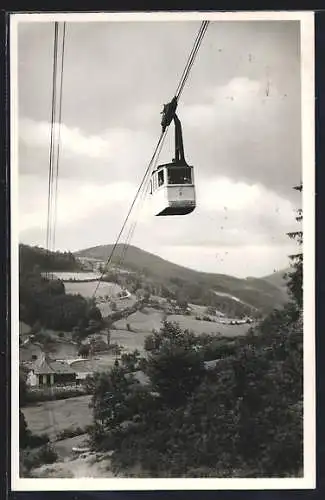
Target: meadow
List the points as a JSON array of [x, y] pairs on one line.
[[141, 321], [86, 289], [67, 275], [199, 327], [129, 340], [51, 417]]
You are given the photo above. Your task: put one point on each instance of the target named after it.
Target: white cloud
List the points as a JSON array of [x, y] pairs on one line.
[[250, 234], [237, 96], [73, 140], [75, 201], [118, 144], [220, 194], [241, 123]]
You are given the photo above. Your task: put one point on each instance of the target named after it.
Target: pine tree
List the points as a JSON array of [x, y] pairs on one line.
[[295, 277]]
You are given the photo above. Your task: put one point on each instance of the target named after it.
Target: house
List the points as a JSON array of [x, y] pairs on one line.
[[46, 372]]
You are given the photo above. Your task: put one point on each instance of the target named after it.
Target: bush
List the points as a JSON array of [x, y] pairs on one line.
[[36, 440], [35, 458]]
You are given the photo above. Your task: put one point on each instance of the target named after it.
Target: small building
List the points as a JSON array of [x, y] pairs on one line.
[[46, 372]]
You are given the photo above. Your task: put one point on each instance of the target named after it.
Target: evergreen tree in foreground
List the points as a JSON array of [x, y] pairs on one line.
[[295, 277]]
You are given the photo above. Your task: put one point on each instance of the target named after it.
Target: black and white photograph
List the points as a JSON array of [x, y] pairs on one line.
[[162, 251]]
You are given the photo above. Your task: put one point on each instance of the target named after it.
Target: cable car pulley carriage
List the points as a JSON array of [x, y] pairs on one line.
[[172, 184]]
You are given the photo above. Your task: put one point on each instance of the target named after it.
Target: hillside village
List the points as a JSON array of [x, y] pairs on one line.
[[68, 337], [126, 312]]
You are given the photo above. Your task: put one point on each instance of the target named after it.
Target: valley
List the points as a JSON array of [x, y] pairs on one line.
[[133, 303]]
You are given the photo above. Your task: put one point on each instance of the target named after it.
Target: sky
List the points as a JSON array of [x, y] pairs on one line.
[[240, 112]]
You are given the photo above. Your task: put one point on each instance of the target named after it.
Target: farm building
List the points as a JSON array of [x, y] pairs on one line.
[[47, 372]]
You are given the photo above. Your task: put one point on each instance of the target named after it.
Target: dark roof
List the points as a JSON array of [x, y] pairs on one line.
[[44, 365]]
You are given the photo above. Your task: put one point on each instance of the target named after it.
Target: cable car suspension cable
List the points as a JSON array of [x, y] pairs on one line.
[[134, 223], [178, 92], [50, 178], [158, 147], [55, 141], [191, 58], [59, 135], [128, 214]]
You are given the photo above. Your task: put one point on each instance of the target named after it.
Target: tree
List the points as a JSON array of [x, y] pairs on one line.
[[174, 366], [242, 418], [26, 438], [131, 360], [295, 277], [175, 372], [109, 401], [94, 313], [23, 431], [22, 389], [170, 332]]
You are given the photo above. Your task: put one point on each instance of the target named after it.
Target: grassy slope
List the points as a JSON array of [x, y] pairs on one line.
[[54, 416], [255, 291]]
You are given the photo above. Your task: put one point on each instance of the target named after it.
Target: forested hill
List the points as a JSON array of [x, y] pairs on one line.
[[44, 302], [278, 278], [33, 256], [256, 292]]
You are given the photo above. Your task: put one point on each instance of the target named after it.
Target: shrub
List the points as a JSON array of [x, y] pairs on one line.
[[35, 440], [35, 458]]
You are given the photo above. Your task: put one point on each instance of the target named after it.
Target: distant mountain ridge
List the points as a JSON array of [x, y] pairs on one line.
[[261, 293]]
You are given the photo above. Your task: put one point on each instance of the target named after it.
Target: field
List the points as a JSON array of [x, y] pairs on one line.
[[198, 327], [141, 321], [197, 310], [66, 275], [106, 309], [87, 288], [129, 340], [105, 292], [53, 416]]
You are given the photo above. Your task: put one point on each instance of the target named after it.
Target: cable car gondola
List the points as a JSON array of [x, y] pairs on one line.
[[172, 184]]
